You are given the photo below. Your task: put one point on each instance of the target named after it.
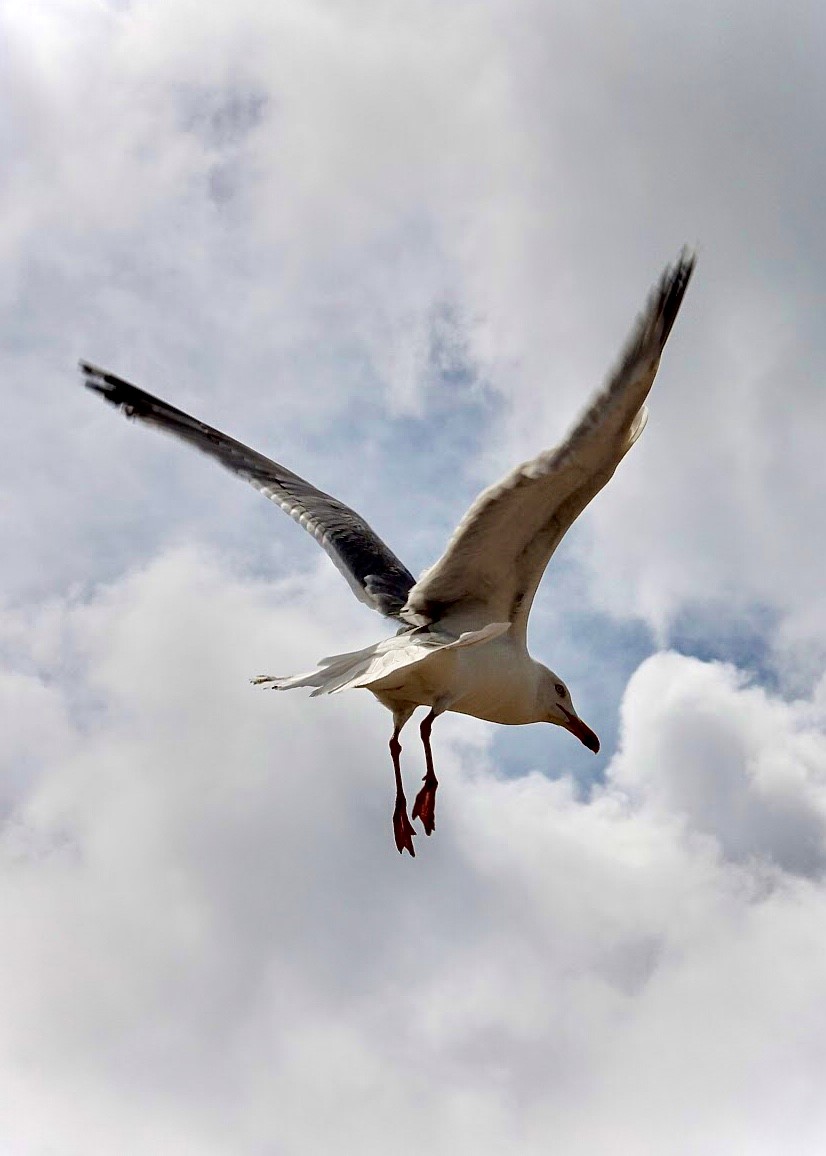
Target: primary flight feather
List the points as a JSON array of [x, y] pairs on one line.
[[461, 642]]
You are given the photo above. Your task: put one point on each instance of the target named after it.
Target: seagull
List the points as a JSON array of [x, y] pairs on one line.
[[460, 643]]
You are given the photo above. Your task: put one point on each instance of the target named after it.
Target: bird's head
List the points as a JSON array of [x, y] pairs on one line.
[[556, 705]]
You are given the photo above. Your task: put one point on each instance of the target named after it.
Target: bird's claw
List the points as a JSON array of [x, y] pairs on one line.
[[424, 807], [403, 830]]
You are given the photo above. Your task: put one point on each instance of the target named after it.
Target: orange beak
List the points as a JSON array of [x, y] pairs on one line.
[[584, 733]]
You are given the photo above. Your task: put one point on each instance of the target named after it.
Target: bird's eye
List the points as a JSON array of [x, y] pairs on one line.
[[560, 690]]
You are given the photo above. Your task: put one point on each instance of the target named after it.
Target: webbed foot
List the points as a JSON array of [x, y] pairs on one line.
[[403, 831], [424, 807]]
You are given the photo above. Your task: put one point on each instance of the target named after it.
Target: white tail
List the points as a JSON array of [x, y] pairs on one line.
[[363, 667], [332, 673]]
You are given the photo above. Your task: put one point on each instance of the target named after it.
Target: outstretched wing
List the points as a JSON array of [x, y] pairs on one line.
[[375, 574], [498, 553]]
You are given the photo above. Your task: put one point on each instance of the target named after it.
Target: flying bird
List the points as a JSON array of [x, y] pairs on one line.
[[460, 643]]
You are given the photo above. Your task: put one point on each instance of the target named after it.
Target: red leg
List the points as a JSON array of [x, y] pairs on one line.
[[402, 827], [425, 806]]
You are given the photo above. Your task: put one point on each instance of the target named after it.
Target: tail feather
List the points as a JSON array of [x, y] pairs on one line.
[[364, 668], [345, 679], [332, 673]]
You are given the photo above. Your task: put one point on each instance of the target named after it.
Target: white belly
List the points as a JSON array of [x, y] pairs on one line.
[[496, 681]]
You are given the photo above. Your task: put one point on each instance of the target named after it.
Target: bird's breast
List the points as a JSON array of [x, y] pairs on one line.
[[496, 681]]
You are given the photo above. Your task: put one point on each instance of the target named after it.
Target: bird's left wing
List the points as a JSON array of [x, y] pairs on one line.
[[374, 573], [498, 553]]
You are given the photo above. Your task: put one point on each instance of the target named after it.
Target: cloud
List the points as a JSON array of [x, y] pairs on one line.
[[746, 768], [213, 944], [284, 204]]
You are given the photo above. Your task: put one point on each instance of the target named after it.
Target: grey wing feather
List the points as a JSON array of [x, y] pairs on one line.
[[498, 553], [375, 574]]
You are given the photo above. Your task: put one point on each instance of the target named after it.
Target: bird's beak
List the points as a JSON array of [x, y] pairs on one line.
[[584, 733]]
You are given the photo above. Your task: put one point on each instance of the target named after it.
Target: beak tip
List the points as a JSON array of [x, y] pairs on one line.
[[588, 739], [582, 731]]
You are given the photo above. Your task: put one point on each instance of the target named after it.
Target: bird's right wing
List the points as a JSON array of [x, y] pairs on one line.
[[374, 573], [498, 553]]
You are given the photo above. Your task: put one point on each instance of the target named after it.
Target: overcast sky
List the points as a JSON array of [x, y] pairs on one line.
[[396, 246]]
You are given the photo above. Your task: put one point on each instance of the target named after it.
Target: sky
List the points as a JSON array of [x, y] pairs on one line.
[[397, 246]]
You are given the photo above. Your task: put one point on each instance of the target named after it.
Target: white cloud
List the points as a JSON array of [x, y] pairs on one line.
[[744, 767], [509, 162], [213, 945]]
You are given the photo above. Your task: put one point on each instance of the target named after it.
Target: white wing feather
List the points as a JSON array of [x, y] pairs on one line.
[[500, 549]]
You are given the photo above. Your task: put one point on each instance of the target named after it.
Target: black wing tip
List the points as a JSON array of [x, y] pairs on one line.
[[672, 289], [104, 383], [115, 390], [99, 379]]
